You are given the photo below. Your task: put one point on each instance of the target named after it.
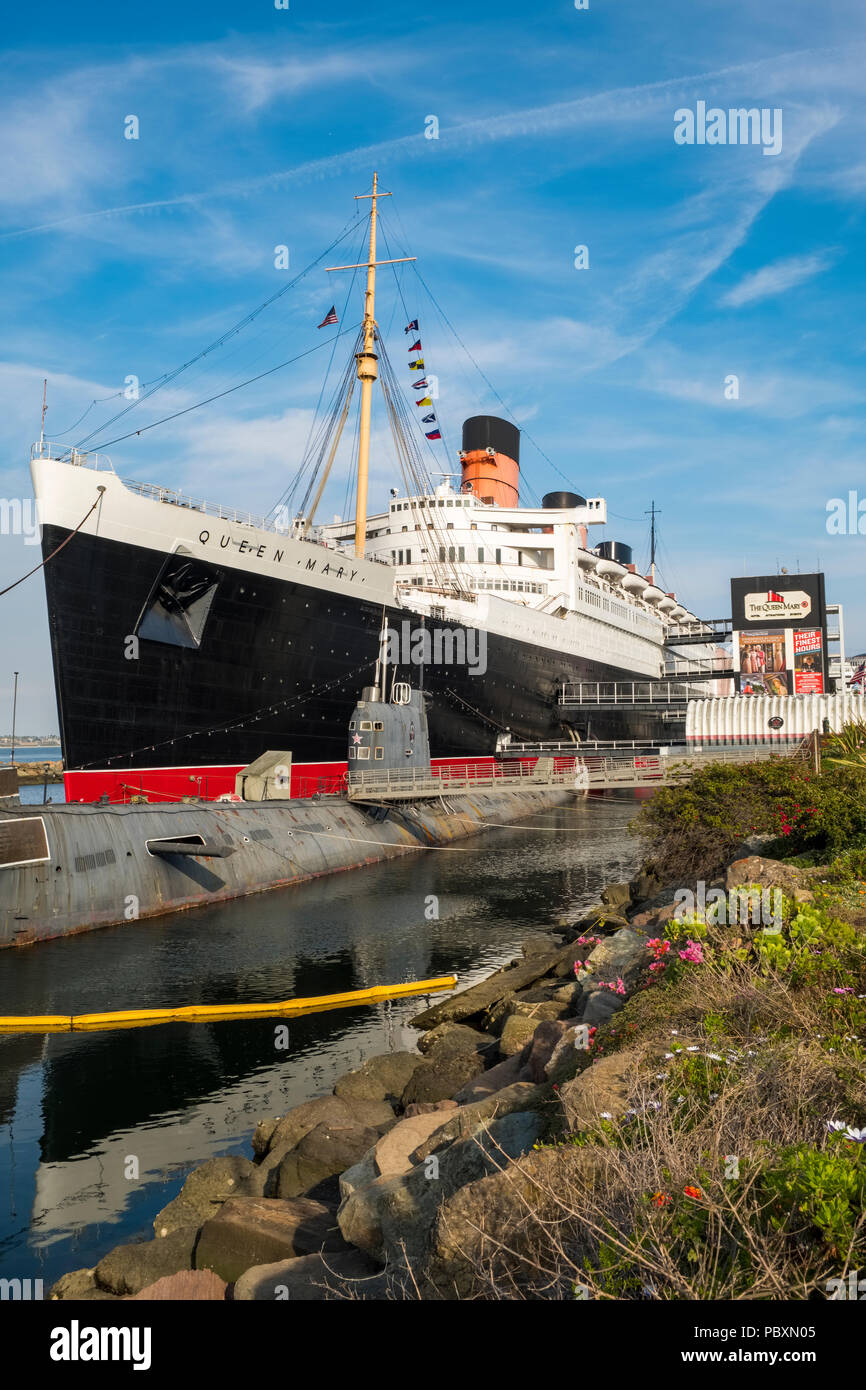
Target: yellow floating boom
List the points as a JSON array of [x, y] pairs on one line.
[[201, 1013]]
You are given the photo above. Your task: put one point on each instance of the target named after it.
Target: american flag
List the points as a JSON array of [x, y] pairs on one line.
[[857, 678], [330, 317]]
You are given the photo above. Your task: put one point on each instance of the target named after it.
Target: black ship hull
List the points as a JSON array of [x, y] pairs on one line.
[[170, 663]]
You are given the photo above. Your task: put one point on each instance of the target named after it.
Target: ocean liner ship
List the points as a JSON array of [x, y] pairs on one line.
[[188, 638]]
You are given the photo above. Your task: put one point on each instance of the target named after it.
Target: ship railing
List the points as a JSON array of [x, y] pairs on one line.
[[64, 453], [655, 692], [590, 771], [157, 493], [407, 783]]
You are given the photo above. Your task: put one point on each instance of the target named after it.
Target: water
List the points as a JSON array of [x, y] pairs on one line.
[[47, 753], [74, 1108], [34, 796]]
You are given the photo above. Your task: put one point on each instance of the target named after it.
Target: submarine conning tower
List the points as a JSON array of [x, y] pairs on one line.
[[385, 735], [490, 460]]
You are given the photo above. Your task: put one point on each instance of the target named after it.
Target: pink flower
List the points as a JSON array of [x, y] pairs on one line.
[[578, 966], [693, 952]]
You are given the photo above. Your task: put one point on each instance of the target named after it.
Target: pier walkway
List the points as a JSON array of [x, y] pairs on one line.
[[576, 770]]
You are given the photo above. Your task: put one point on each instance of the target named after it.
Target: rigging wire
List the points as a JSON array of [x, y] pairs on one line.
[[482, 374], [99, 491], [224, 337], [408, 319], [288, 493], [289, 704], [228, 391]]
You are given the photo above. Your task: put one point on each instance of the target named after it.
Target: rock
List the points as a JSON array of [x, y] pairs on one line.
[[520, 1096], [568, 994], [73, 1285], [518, 1031], [600, 1006], [769, 873], [537, 1010], [262, 1135], [504, 1209], [391, 1219], [600, 920], [190, 1285], [393, 1149], [348, 1274], [616, 895], [251, 1231], [441, 1075], [477, 998], [544, 1041], [427, 1107], [380, 1078], [455, 1037], [643, 886], [539, 994], [360, 1175], [567, 1059], [205, 1190], [321, 1153], [535, 946], [130, 1268], [328, 1110], [602, 1088], [621, 956], [495, 1079]]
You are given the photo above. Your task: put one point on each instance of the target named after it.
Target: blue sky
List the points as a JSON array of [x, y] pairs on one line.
[[257, 126]]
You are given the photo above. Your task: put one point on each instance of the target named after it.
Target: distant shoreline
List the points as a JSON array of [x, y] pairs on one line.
[[22, 743]]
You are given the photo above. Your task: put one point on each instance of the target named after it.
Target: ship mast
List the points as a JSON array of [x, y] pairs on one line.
[[368, 362]]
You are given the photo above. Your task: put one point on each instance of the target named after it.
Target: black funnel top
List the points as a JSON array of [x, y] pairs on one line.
[[489, 432]]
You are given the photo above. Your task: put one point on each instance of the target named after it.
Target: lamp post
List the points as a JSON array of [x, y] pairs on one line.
[[14, 711]]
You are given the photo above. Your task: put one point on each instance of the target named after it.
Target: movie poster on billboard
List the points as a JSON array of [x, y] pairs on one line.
[[761, 653], [808, 662], [771, 683]]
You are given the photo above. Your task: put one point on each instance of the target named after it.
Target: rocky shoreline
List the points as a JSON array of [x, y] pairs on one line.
[[32, 774], [395, 1184]]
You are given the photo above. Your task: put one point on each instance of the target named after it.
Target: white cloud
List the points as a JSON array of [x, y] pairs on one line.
[[776, 278]]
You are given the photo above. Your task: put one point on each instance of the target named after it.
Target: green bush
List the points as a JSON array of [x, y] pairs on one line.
[[694, 829]]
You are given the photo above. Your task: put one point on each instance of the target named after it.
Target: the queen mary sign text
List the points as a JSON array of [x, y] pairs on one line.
[[794, 604]]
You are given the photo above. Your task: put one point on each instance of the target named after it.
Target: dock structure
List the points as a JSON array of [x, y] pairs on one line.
[[604, 772], [424, 783], [575, 768]]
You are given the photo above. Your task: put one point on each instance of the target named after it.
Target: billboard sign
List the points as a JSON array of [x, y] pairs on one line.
[[780, 634]]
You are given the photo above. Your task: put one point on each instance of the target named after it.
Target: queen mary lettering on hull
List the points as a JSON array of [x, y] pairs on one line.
[[187, 637]]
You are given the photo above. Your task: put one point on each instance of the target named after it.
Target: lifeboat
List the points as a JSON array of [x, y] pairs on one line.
[[610, 569]]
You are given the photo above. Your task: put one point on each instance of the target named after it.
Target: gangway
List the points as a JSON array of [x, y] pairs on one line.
[[605, 772], [703, 630], [420, 783], [635, 694], [577, 771]]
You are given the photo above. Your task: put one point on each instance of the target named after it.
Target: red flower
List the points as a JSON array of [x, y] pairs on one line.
[[660, 1199], [693, 1192]]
